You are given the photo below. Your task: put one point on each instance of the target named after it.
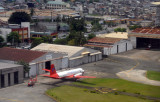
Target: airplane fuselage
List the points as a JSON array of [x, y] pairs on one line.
[[75, 72]]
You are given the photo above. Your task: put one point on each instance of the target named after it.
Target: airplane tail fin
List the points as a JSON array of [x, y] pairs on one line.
[[52, 70]]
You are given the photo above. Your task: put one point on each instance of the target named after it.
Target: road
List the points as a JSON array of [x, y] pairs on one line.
[[106, 68]]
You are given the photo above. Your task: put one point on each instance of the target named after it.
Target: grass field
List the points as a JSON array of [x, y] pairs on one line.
[[121, 85], [76, 94], [153, 75]]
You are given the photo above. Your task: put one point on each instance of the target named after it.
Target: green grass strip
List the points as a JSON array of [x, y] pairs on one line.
[[74, 94], [153, 75], [123, 85]]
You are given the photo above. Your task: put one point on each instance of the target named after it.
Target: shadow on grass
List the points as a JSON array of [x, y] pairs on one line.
[[83, 82]]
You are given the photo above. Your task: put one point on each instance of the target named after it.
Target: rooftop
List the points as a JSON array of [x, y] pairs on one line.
[[120, 35], [147, 30], [1, 8], [7, 65], [14, 54], [56, 2], [5, 19], [155, 3], [72, 51], [104, 40]]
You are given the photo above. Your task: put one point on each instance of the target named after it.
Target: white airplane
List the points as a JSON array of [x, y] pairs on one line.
[[74, 73]]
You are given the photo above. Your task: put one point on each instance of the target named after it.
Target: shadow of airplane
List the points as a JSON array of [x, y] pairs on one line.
[[63, 82]]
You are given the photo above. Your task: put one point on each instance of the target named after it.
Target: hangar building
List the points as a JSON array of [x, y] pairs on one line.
[[143, 37], [76, 55], [111, 43], [10, 74], [37, 60]]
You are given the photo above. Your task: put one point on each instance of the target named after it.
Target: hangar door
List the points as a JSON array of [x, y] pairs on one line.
[[144, 42]]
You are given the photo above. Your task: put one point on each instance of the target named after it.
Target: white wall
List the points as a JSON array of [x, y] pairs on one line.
[[133, 41], [91, 10], [26, 24], [5, 32], [32, 71], [121, 47], [65, 61]]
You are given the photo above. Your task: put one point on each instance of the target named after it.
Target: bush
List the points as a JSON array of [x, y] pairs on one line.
[[116, 93], [120, 30]]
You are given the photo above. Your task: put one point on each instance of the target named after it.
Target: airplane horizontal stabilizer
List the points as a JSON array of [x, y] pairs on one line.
[[46, 70]]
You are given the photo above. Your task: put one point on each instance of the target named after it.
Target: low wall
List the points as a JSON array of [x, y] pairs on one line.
[[73, 62]]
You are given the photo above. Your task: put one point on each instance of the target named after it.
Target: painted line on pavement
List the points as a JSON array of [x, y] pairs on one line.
[[12, 100]]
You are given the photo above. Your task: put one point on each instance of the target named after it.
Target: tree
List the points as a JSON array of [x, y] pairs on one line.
[[71, 42], [96, 27], [90, 36], [13, 38], [134, 27], [123, 29], [47, 39], [77, 25], [77, 30], [1, 39], [80, 39], [45, 1], [60, 41], [120, 30], [18, 17], [36, 41], [25, 66], [32, 12]]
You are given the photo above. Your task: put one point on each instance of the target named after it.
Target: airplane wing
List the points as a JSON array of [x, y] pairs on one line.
[[71, 76], [51, 76], [79, 76], [46, 70]]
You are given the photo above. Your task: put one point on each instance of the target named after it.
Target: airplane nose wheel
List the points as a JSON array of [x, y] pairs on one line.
[[82, 73], [75, 79]]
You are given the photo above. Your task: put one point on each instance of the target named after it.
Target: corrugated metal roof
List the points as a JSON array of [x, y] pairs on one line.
[[14, 54], [120, 35], [104, 40], [147, 31], [72, 51]]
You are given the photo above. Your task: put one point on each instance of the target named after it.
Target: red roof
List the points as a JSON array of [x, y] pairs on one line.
[[147, 30], [14, 54], [104, 40], [92, 45]]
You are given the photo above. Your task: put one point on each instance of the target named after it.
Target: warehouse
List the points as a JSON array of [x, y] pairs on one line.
[[76, 55], [111, 43], [37, 60], [10, 74], [145, 37]]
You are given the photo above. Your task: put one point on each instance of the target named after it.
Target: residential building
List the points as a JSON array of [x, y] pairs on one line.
[[56, 5], [23, 31]]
